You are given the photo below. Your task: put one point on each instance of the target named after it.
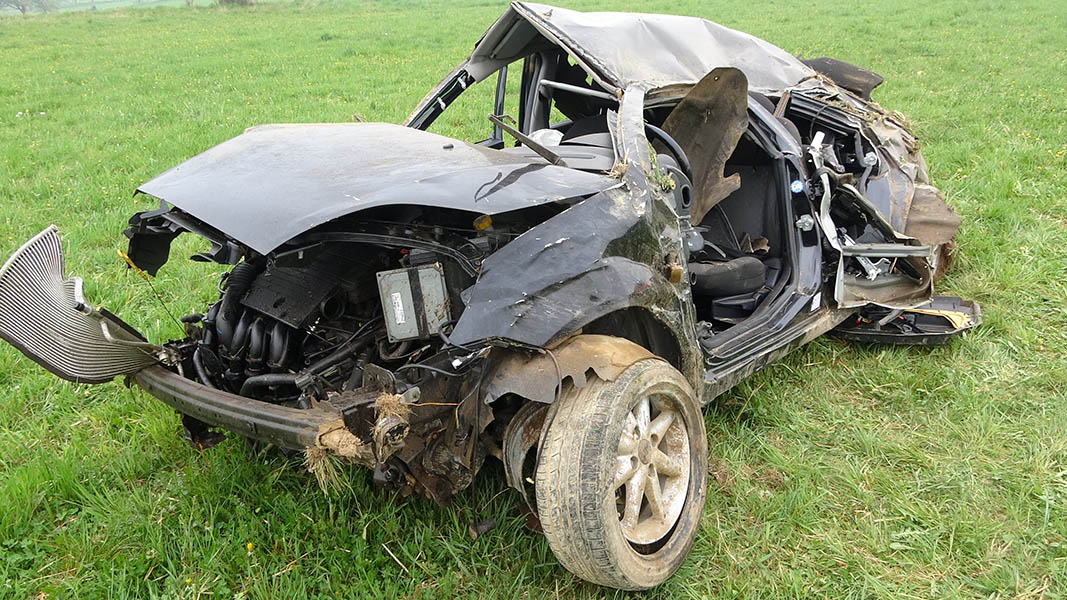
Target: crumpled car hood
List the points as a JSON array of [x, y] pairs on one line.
[[274, 182]]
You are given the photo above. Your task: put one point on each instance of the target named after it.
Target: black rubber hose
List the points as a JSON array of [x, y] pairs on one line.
[[209, 336], [267, 379], [337, 356], [237, 284], [201, 372]]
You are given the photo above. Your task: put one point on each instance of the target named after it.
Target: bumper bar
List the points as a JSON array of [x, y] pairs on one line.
[[286, 427]]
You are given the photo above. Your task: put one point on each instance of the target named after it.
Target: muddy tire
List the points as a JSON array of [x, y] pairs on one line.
[[621, 476]]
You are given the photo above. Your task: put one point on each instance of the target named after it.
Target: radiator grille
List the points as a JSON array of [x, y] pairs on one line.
[[43, 314]]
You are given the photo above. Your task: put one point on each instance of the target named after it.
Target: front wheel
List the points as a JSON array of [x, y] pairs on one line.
[[621, 475]]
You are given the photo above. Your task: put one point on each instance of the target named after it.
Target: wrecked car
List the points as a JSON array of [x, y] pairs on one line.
[[674, 206]]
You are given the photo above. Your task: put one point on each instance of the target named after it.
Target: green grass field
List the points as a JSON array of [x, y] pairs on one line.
[[842, 472]]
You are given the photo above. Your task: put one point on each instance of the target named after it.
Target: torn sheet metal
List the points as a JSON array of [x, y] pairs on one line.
[[934, 323], [557, 276], [707, 124], [897, 183], [884, 282]]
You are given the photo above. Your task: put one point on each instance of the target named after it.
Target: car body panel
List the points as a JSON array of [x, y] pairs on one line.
[[623, 49], [274, 182]]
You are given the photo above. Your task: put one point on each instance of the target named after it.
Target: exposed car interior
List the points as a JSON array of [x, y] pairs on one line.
[[743, 258], [742, 261]]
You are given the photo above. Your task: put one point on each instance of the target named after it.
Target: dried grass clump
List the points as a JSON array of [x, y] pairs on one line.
[[324, 466], [392, 405]]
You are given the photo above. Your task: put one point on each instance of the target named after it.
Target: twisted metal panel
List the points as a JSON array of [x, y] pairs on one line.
[[43, 314]]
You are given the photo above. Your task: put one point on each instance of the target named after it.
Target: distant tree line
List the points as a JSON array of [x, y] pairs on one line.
[[25, 6]]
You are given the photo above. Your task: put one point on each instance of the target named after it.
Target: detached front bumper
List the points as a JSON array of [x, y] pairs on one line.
[[43, 315], [294, 428]]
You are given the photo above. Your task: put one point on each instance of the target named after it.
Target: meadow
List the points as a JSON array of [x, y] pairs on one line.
[[845, 471]]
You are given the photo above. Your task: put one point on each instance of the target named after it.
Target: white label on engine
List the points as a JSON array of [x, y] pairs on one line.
[[398, 308]]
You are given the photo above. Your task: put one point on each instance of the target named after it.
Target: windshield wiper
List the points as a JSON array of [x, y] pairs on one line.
[[541, 151]]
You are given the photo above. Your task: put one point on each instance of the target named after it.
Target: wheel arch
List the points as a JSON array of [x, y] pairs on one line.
[[637, 324], [539, 376]]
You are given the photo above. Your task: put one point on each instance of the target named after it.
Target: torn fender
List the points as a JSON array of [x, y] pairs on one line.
[[575, 267]]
